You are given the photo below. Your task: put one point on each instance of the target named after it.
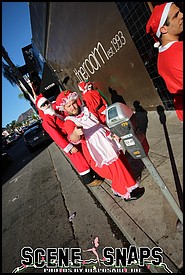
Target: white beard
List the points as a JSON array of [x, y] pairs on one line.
[[49, 111]]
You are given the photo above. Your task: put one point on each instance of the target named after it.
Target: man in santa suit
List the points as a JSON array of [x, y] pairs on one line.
[[165, 25], [93, 100], [103, 153], [53, 124]]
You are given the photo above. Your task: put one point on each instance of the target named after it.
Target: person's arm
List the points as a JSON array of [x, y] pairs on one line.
[[73, 131], [76, 134], [33, 90], [57, 136]]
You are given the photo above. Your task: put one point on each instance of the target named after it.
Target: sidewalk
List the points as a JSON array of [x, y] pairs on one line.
[[151, 221]]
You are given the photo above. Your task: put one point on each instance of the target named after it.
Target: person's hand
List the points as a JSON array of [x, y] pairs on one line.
[[78, 131], [73, 150]]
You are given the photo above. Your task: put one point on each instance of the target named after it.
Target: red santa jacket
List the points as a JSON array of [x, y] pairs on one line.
[[95, 103], [54, 126], [170, 68]]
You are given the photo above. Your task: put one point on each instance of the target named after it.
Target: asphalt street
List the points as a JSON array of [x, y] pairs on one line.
[[37, 203]]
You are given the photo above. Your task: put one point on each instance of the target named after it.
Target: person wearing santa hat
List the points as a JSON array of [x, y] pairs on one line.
[[103, 153], [53, 124], [165, 25], [93, 100]]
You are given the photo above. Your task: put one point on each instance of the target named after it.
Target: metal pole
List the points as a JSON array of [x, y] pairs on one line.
[[162, 118], [163, 187]]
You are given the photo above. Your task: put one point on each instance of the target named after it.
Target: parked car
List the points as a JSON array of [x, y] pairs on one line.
[[38, 122], [6, 159], [35, 136], [8, 142], [14, 137]]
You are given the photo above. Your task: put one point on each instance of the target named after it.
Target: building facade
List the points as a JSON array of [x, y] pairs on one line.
[[104, 42]]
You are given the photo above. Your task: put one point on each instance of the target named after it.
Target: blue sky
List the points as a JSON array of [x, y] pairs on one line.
[[16, 34]]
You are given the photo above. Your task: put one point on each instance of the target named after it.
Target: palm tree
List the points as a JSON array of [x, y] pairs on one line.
[[9, 74], [13, 75]]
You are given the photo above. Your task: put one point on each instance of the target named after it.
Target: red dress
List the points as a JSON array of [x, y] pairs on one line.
[[102, 152], [170, 68]]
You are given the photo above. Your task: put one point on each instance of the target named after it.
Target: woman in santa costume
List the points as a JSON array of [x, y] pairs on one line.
[[93, 100], [165, 25], [53, 124], [103, 153], [97, 105]]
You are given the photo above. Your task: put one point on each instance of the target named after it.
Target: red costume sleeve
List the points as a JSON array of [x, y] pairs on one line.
[[69, 128], [57, 134]]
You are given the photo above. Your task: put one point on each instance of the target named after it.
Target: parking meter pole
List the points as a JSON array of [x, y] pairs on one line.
[[149, 165], [121, 120]]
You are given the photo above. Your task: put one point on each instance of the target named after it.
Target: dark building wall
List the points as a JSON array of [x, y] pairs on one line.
[[38, 18], [136, 15], [104, 42]]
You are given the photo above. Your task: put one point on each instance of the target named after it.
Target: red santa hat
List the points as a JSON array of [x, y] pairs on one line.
[[40, 99], [83, 86], [63, 98], [157, 20]]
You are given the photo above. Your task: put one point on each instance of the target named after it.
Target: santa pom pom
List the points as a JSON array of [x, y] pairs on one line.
[[156, 44]]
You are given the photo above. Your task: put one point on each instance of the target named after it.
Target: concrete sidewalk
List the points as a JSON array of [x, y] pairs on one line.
[[151, 221]]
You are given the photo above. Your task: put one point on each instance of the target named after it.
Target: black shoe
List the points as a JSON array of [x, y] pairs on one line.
[[116, 195], [87, 178], [136, 194], [96, 176]]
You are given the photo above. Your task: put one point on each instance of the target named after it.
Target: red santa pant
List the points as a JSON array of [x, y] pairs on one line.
[[79, 162]]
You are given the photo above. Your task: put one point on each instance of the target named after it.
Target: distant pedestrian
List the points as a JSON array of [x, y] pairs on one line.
[[93, 100], [165, 25]]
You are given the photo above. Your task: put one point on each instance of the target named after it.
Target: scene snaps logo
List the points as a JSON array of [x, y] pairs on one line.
[[110, 260]]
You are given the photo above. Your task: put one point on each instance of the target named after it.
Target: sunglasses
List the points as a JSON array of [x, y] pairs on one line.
[[44, 103]]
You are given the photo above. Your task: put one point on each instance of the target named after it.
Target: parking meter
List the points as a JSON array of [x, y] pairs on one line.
[[122, 122]]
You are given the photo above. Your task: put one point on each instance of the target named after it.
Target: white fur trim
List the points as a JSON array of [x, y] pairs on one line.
[[85, 172], [41, 101], [157, 44], [80, 88], [71, 96], [83, 89], [68, 148], [163, 18], [167, 46]]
